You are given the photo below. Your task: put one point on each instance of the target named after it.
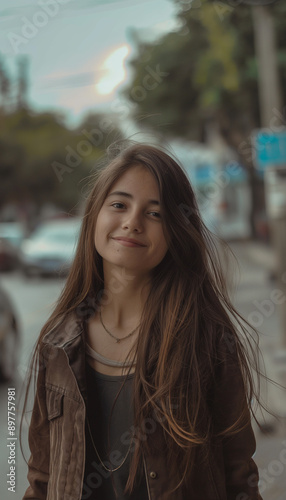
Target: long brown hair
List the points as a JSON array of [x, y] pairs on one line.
[[186, 318]]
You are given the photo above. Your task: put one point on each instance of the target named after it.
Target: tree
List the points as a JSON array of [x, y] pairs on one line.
[[43, 161], [5, 87], [22, 82], [206, 72]]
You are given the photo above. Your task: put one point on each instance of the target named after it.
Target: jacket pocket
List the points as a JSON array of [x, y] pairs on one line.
[[54, 404], [55, 401]]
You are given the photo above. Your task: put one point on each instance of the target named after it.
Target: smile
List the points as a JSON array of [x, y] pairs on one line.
[[129, 244]]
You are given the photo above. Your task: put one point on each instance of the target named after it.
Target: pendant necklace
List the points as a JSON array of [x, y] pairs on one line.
[[118, 339]]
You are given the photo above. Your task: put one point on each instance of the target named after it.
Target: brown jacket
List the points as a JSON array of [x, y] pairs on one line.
[[57, 433]]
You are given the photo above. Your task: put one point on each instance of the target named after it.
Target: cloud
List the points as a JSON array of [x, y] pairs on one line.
[[114, 70], [70, 81]]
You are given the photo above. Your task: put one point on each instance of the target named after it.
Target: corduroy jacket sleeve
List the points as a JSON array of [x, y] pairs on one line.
[[241, 472], [39, 442]]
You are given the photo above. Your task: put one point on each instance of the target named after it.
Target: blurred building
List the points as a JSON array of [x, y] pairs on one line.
[[221, 186]]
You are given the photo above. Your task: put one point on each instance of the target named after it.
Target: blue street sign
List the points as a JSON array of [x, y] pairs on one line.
[[269, 149], [204, 173], [200, 172]]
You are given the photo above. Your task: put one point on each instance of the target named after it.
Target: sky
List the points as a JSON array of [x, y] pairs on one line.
[[79, 50]]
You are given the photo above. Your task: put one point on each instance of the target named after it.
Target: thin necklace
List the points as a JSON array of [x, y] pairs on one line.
[[113, 336], [103, 465]]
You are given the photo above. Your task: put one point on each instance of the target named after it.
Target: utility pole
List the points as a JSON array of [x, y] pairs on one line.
[[270, 95], [271, 111]]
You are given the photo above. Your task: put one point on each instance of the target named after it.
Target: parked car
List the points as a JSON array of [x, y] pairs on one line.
[[11, 237], [50, 248], [9, 338]]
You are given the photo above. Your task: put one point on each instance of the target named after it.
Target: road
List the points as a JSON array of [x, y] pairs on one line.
[[34, 301]]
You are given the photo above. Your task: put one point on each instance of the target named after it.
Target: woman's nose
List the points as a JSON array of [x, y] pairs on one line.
[[133, 221]]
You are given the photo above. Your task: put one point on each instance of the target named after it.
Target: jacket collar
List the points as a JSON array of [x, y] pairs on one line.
[[69, 335], [64, 332]]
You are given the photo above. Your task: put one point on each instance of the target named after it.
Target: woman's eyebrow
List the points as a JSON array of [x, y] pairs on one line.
[[129, 195]]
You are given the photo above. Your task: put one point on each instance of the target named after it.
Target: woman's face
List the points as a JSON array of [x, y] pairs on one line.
[[131, 215]]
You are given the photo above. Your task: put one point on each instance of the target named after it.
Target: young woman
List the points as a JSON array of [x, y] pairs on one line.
[[144, 385]]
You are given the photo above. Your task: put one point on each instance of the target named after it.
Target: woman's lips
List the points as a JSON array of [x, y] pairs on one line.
[[128, 243]]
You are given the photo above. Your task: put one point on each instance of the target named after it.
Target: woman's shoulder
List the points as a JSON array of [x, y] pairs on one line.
[[61, 330]]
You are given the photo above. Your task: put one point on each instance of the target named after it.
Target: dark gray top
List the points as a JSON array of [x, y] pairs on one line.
[[111, 446]]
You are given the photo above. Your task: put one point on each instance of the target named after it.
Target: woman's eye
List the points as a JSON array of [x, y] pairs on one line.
[[116, 204], [157, 214]]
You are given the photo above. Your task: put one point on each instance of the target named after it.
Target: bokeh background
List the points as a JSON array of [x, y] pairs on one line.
[[207, 79]]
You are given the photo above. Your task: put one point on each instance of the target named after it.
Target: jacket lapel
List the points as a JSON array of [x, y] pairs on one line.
[[69, 335]]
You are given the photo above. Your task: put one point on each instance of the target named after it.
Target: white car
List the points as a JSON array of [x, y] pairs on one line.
[[51, 247], [9, 338], [11, 236]]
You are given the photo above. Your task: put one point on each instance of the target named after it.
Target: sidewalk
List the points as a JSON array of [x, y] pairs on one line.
[[258, 253], [252, 297], [257, 266]]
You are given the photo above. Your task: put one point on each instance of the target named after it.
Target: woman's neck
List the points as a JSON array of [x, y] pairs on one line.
[[122, 305]]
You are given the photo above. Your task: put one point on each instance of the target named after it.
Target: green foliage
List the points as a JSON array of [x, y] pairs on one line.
[[210, 71], [41, 160]]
